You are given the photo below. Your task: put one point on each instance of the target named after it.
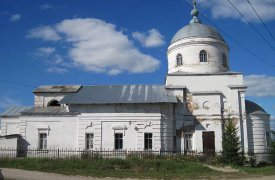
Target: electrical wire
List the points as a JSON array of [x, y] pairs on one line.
[[267, 29], [234, 40], [251, 25]]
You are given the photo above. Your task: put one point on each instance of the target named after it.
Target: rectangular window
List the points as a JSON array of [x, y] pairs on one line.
[[148, 141], [118, 141], [267, 136], [188, 141], [89, 141], [42, 141]]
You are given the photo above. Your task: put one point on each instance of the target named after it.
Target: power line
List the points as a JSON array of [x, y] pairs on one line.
[[234, 40], [251, 25], [267, 29]]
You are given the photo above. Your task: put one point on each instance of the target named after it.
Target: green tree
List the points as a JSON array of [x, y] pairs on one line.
[[231, 144], [273, 142]]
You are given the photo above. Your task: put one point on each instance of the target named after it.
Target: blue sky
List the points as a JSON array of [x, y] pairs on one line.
[[56, 42]]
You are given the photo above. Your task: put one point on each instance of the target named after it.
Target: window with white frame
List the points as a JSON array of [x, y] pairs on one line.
[[118, 141], [148, 141], [89, 140], [203, 56], [267, 137], [42, 140], [188, 141]]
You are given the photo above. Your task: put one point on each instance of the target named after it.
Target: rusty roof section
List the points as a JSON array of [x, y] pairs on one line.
[[57, 89], [118, 94]]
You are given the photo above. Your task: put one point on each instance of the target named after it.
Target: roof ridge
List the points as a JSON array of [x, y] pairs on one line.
[[123, 85]]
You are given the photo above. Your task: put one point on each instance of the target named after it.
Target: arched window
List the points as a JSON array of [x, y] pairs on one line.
[[53, 103], [179, 59], [203, 56], [224, 60]]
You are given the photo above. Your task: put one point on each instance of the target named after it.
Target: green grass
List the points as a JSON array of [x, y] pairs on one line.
[[165, 169], [263, 171], [127, 168]]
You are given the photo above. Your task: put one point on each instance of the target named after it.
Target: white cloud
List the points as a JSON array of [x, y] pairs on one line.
[[45, 51], [97, 46], [222, 9], [57, 70], [57, 59], [45, 33], [260, 85], [46, 6], [15, 17], [153, 38]]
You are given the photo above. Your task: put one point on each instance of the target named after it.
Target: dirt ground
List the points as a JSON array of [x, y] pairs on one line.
[[18, 174]]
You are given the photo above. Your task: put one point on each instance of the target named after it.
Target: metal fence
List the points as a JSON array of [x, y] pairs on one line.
[[256, 158], [83, 153]]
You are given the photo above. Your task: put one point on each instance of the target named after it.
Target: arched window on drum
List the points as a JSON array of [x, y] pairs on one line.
[[179, 60], [224, 60], [203, 56]]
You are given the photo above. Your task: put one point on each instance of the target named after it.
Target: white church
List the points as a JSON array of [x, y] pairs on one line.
[[187, 113]]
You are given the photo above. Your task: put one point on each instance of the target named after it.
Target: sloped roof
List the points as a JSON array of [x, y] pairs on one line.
[[52, 110], [252, 107], [14, 111], [112, 94], [57, 89]]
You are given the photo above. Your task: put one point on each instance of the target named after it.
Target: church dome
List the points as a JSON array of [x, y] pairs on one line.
[[197, 30], [252, 107], [198, 48]]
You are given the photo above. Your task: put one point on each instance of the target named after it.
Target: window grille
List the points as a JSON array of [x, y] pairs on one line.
[[118, 141], [42, 141], [179, 59], [188, 141], [89, 141], [148, 141], [203, 56]]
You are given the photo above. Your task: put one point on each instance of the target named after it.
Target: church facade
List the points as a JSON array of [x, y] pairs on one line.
[[187, 113]]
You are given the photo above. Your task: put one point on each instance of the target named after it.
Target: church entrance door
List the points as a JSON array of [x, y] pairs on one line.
[[208, 142]]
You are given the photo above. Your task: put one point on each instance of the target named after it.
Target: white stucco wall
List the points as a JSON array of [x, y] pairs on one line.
[[258, 124], [190, 49], [61, 130], [209, 99], [8, 143], [42, 99], [10, 125], [133, 121]]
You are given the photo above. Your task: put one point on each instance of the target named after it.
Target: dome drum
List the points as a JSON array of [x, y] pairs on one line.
[[190, 52]]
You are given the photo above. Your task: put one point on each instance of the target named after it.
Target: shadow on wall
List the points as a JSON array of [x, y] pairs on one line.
[[22, 147]]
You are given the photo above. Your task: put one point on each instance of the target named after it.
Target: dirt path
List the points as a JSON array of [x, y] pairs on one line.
[[18, 174]]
